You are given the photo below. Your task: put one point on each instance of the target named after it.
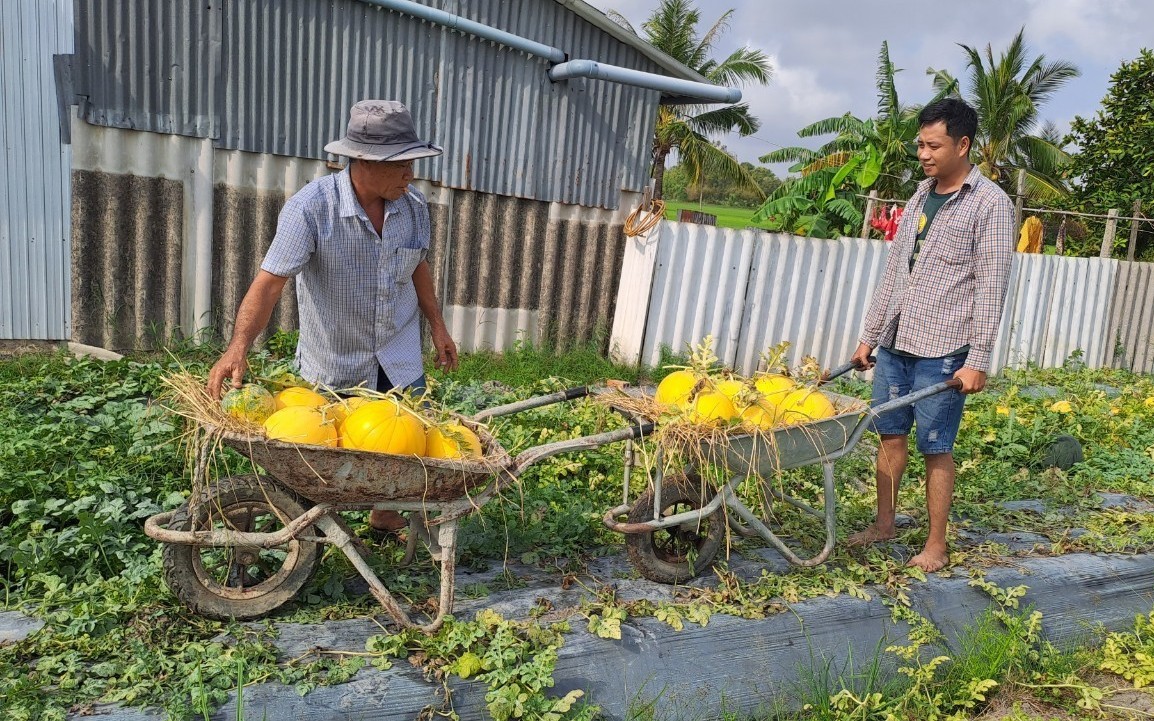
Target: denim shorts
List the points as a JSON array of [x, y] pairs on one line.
[[936, 418]]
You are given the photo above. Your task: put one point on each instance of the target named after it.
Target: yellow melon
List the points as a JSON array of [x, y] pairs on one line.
[[452, 440], [340, 410], [676, 388], [297, 396], [300, 424], [251, 403], [762, 415], [774, 387], [730, 387], [805, 405], [712, 407], [384, 427]]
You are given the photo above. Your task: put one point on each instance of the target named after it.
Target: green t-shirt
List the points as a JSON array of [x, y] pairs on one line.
[[930, 208]]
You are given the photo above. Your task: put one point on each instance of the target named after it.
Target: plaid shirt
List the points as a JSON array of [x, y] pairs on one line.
[[955, 293], [358, 306]]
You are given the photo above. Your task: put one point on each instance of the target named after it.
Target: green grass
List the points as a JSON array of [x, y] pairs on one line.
[[86, 455], [726, 217], [528, 364]]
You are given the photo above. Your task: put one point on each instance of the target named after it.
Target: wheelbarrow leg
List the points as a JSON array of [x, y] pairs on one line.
[[341, 536], [830, 516], [446, 553]]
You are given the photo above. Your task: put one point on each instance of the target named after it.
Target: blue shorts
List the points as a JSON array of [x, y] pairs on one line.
[[937, 418]]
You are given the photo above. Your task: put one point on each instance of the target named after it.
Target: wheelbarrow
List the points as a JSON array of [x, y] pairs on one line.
[[675, 527], [246, 545]]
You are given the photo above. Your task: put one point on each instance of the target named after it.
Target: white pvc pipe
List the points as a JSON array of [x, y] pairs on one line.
[[627, 76]]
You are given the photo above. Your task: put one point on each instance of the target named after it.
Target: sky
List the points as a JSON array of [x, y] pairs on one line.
[[824, 52]]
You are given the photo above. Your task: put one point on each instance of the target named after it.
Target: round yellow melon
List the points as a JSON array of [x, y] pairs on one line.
[[251, 403], [384, 427], [340, 410], [676, 388], [730, 387], [712, 407], [774, 387], [762, 415], [805, 405], [452, 440], [297, 396], [300, 424]]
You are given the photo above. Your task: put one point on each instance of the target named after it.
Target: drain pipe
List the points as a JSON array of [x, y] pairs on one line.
[[696, 92], [486, 32], [687, 91]]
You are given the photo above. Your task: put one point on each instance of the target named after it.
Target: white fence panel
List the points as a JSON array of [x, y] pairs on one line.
[[698, 289], [813, 293]]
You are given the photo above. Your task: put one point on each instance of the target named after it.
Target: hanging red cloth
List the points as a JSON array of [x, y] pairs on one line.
[[885, 220]]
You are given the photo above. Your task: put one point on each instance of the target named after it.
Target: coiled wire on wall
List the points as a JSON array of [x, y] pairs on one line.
[[635, 226]]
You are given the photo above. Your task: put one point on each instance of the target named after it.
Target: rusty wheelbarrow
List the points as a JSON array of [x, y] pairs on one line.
[[246, 545]]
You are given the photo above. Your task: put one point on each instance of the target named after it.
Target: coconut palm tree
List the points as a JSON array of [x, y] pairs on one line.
[[672, 28], [1008, 92], [877, 153]]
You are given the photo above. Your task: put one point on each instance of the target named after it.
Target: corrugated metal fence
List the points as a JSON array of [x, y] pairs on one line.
[[751, 290], [34, 197]]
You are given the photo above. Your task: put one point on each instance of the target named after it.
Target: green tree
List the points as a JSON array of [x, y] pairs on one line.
[[1114, 165], [672, 28], [1008, 92], [877, 153]]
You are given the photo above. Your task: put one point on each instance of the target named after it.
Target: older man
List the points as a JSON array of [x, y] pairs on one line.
[[357, 243]]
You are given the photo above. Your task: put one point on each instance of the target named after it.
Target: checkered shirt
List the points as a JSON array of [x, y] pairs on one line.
[[355, 294], [956, 291]]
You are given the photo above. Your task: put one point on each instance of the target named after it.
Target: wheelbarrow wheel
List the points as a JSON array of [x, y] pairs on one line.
[[679, 553], [239, 582]]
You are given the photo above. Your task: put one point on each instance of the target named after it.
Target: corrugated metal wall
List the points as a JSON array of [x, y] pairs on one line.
[[507, 268], [698, 289], [751, 290], [34, 197], [278, 76], [146, 65]]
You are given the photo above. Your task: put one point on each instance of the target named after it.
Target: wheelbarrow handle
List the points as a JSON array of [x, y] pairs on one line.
[[568, 394], [911, 398], [583, 443], [842, 369]]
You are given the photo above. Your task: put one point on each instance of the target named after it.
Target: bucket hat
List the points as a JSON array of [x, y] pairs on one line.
[[382, 130]]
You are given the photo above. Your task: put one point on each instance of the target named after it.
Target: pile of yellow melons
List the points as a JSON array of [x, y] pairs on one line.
[[388, 424], [762, 403]]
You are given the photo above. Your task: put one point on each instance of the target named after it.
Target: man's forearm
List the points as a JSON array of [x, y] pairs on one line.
[[255, 310]]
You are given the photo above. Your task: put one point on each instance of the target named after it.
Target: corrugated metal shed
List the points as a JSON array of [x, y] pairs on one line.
[[35, 197], [147, 65], [278, 76]]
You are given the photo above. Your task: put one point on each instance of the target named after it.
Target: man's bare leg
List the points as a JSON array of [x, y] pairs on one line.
[[893, 455], [939, 497]]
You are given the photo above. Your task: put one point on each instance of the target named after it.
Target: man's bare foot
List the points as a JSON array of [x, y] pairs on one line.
[[871, 535], [930, 559]]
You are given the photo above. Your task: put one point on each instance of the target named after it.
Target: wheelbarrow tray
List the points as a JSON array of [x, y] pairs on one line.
[[792, 446], [341, 475]]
